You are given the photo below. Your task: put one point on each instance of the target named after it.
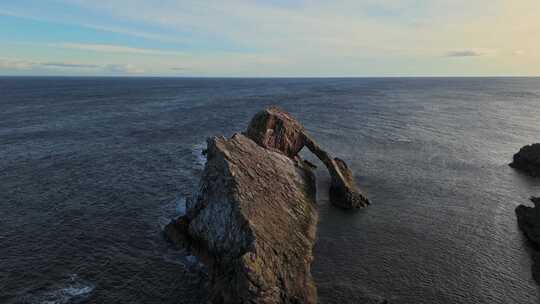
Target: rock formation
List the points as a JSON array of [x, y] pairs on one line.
[[274, 129], [253, 222], [528, 160], [529, 223]]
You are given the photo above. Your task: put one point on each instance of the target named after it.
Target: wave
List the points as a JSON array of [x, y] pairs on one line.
[[182, 258], [75, 290], [181, 206], [198, 151]]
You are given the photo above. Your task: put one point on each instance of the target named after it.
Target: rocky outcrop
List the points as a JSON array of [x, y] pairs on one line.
[[528, 160], [529, 223], [343, 190], [254, 224], [529, 220], [275, 129]]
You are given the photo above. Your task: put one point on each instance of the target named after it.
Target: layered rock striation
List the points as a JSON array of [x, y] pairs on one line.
[[528, 160], [253, 222]]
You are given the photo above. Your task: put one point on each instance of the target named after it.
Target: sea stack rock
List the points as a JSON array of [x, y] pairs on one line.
[[275, 129], [529, 223], [254, 221], [528, 160]]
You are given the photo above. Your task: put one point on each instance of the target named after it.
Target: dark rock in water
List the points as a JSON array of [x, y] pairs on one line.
[[529, 223], [275, 129], [343, 190], [528, 160], [254, 224], [529, 220], [177, 232]]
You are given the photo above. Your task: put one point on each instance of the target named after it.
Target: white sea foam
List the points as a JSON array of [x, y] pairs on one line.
[[200, 158], [75, 289], [191, 259], [180, 206], [182, 258]]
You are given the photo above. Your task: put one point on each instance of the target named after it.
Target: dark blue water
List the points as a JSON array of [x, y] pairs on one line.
[[91, 169]]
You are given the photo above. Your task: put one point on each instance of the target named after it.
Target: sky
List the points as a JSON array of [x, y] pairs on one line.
[[272, 38]]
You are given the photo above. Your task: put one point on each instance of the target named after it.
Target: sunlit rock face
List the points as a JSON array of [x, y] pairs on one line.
[[254, 221]]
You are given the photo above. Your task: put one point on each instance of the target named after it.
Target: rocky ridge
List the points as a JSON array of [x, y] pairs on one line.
[[253, 222]]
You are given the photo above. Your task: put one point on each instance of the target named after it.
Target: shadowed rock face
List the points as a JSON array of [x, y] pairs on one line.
[[529, 223], [255, 220], [528, 160], [275, 129]]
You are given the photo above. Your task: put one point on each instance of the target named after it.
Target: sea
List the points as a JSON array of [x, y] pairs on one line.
[[91, 169]]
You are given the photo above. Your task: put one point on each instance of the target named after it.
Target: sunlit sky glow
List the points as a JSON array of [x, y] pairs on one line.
[[270, 38]]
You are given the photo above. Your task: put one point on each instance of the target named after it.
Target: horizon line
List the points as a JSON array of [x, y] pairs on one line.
[[264, 77]]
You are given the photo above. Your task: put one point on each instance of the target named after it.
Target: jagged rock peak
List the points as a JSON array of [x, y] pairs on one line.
[[255, 220]]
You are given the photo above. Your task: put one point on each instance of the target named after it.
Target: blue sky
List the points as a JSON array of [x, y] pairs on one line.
[[270, 38]]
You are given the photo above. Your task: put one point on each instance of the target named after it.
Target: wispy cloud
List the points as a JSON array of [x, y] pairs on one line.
[[23, 65], [99, 27], [109, 48], [69, 65], [280, 38], [466, 53], [469, 53], [15, 64], [123, 69]]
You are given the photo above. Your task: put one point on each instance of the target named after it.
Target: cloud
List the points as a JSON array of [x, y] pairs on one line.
[[9, 64], [97, 27], [111, 48], [15, 64], [293, 37], [123, 69], [469, 53], [69, 65], [466, 53], [19, 64]]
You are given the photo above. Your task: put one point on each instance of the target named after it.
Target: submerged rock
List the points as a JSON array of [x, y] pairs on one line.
[[529, 223], [254, 222], [275, 129], [528, 160]]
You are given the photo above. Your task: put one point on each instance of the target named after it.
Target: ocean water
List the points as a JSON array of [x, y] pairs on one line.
[[92, 168]]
